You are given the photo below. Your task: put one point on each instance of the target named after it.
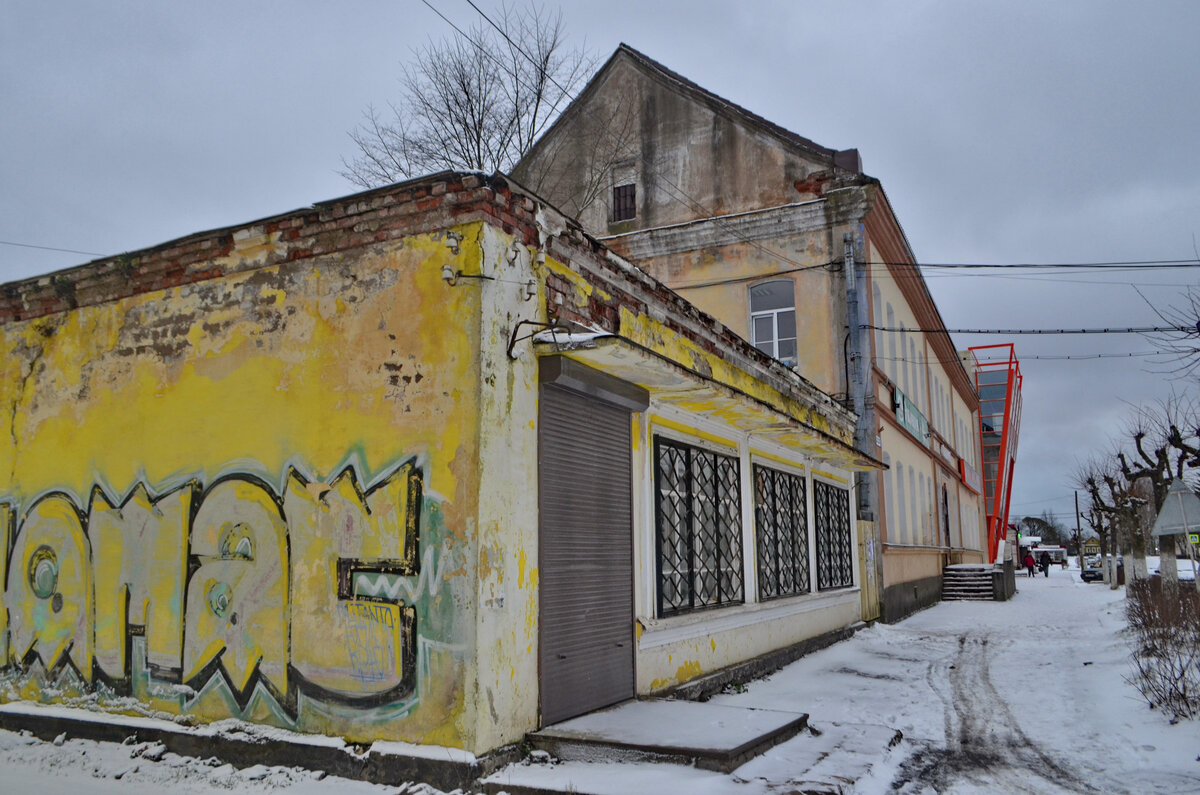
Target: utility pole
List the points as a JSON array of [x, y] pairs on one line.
[[1078, 536]]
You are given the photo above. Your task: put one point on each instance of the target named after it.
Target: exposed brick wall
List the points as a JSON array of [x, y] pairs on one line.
[[389, 213]]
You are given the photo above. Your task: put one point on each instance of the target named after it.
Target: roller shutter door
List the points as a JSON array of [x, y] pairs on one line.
[[586, 555]]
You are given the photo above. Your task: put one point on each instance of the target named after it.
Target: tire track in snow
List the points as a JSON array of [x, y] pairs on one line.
[[985, 746]]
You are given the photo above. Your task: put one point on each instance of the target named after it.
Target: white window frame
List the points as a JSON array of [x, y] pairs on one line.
[[773, 314]]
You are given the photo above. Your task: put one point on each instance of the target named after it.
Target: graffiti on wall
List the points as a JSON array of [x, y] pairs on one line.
[[309, 588]]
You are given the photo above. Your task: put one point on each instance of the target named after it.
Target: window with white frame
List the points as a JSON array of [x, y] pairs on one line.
[[698, 527], [781, 528], [773, 319], [835, 554]]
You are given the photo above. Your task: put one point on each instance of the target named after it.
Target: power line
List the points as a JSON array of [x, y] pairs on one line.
[[879, 275], [1027, 357], [1014, 331], [52, 248], [1131, 264], [736, 279]]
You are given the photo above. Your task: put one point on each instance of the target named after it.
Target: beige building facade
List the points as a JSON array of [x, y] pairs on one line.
[[792, 247]]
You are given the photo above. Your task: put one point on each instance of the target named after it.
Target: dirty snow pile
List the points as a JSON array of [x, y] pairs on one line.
[[28, 764]]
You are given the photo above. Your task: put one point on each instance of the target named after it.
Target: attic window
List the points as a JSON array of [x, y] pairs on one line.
[[624, 202]]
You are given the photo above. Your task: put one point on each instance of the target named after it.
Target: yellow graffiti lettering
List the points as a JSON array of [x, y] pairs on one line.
[[48, 592], [8, 518], [339, 533], [208, 578], [238, 595], [139, 554]]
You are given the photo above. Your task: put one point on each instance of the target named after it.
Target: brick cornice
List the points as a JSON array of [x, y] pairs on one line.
[[429, 204]]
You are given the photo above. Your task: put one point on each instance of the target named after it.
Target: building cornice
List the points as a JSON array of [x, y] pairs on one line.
[[723, 230], [885, 233]]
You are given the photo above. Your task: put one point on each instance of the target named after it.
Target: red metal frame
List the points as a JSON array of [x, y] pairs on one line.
[[998, 383]]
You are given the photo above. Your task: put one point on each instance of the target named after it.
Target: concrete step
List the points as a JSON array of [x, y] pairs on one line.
[[823, 759], [709, 736], [967, 583]]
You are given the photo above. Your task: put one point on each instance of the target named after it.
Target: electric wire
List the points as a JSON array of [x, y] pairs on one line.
[[1152, 264], [1043, 331], [51, 248]]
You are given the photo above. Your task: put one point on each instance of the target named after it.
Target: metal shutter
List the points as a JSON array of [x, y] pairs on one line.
[[585, 555]]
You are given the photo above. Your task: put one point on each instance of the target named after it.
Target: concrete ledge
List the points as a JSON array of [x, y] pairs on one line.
[[242, 746], [713, 736], [704, 687], [903, 599]]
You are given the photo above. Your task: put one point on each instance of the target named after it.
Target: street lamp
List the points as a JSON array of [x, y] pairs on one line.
[[1180, 514]]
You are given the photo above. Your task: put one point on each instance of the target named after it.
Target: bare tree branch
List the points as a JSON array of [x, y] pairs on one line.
[[477, 101]]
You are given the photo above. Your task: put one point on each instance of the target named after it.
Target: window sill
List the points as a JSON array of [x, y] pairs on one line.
[[659, 632]]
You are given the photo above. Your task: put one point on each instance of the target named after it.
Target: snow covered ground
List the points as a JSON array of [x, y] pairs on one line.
[[1021, 696]]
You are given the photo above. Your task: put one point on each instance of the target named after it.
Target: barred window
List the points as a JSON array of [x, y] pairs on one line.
[[624, 202], [699, 527], [835, 568], [781, 517]]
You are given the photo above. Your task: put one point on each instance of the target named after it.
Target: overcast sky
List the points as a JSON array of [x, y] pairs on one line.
[[1003, 132]]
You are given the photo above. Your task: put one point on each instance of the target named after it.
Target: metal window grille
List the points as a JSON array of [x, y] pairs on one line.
[[781, 516], [624, 202], [698, 527], [835, 568]]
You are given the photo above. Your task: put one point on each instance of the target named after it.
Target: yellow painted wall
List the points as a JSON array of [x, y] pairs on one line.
[[256, 496], [674, 650], [908, 565], [819, 353]]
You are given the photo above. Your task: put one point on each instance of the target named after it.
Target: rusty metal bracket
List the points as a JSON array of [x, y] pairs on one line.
[[513, 339]]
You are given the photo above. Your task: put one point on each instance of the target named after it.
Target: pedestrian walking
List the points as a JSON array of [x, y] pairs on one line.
[[1045, 563], [1029, 564]]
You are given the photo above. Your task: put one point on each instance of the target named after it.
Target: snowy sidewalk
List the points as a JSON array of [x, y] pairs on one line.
[[1021, 696]]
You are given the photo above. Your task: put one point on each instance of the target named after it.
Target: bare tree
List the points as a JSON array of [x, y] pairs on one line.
[[477, 101], [1114, 507], [1045, 527], [1180, 344]]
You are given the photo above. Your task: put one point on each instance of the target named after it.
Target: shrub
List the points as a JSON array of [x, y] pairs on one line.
[[1166, 655]]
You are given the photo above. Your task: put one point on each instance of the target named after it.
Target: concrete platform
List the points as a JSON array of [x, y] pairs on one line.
[[246, 744], [709, 736], [824, 759]]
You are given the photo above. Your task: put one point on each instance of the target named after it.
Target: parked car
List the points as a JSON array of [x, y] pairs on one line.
[[1093, 573]]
